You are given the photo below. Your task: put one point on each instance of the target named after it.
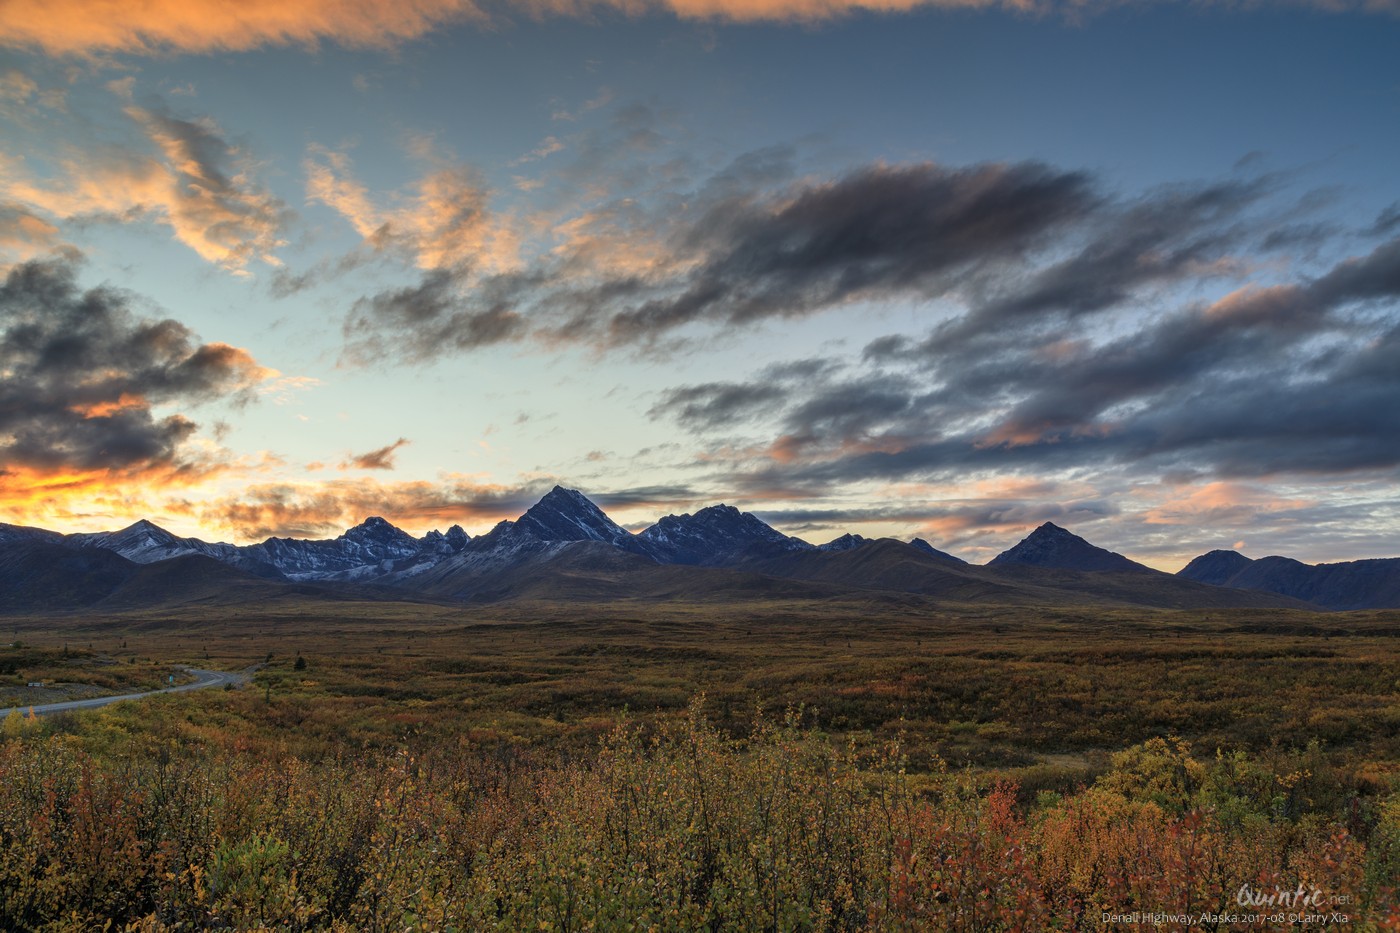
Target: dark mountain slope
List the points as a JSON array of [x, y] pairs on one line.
[[595, 571], [891, 565], [1215, 567], [1347, 585], [194, 580], [1152, 588], [932, 551], [1053, 547], [40, 576]]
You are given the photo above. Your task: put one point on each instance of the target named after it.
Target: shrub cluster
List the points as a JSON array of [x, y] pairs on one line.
[[679, 828]]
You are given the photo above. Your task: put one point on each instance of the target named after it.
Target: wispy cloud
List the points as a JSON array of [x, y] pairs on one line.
[[381, 458], [548, 147], [738, 253], [444, 221], [1296, 379], [23, 235], [193, 180]]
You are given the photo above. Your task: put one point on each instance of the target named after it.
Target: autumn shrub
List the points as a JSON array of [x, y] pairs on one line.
[[676, 825]]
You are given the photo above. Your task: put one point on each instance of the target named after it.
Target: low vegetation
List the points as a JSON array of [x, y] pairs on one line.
[[750, 768]]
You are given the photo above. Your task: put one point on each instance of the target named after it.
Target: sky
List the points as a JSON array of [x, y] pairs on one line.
[[937, 268]]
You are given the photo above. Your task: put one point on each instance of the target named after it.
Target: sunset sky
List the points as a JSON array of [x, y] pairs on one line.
[[948, 269]]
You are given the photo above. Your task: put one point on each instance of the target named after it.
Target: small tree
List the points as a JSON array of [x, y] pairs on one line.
[[300, 665]]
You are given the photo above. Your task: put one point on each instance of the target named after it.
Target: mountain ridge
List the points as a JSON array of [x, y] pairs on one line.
[[1344, 585], [565, 543]]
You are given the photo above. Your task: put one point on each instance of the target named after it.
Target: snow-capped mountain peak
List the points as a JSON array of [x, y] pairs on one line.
[[718, 534], [569, 515], [375, 530]]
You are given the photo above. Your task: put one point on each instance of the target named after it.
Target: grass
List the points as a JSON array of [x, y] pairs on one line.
[[1261, 734]]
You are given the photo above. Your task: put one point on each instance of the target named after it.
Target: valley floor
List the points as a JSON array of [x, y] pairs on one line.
[[774, 765]]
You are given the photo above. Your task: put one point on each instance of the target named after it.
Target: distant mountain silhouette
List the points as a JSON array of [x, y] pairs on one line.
[[1053, 547], [1215, 567], [565, 547], [1357, 584], [929, 549]]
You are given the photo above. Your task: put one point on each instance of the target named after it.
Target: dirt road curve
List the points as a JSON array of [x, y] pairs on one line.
[[202, 680]]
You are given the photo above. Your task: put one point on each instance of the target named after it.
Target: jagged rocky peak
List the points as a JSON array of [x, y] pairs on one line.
[[846, 542], [452, 542], [376, 539], [376, 528], [717, 534], [568, 515], [1054, 547], [724, 518]]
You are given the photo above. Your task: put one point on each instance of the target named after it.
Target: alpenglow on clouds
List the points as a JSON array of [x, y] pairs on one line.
[[267, 274]]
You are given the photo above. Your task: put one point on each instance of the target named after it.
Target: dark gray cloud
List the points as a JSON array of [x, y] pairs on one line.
[[740, 250], [1302, 236], [428, 319], [82, 372], [1387, 221], [661, 497], [712, 405], [717, 404], [878, 232], [1168, 235], [1296, 378], [1008, 241]]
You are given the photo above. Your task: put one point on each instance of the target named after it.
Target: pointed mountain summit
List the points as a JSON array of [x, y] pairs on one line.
[[1053, 547], [569, 515], [932, 551], [374, 534], [357, 553], [719, 534], [134, 540], [562, 516], [145, 542], [437, 543]]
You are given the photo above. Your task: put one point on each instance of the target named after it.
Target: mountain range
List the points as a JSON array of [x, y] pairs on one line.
[[566, 547]]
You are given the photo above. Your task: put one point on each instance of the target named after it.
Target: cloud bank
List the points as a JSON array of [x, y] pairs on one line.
[[88, 27], [83, 376]]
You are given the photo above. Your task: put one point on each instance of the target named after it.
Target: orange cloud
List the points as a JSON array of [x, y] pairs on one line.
[[84, 27], [95, 500], [1220, 501], [24, 236], [105, 409], [196, 183], [444, 222], [328, 508], [381, 459], [89, 27]]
